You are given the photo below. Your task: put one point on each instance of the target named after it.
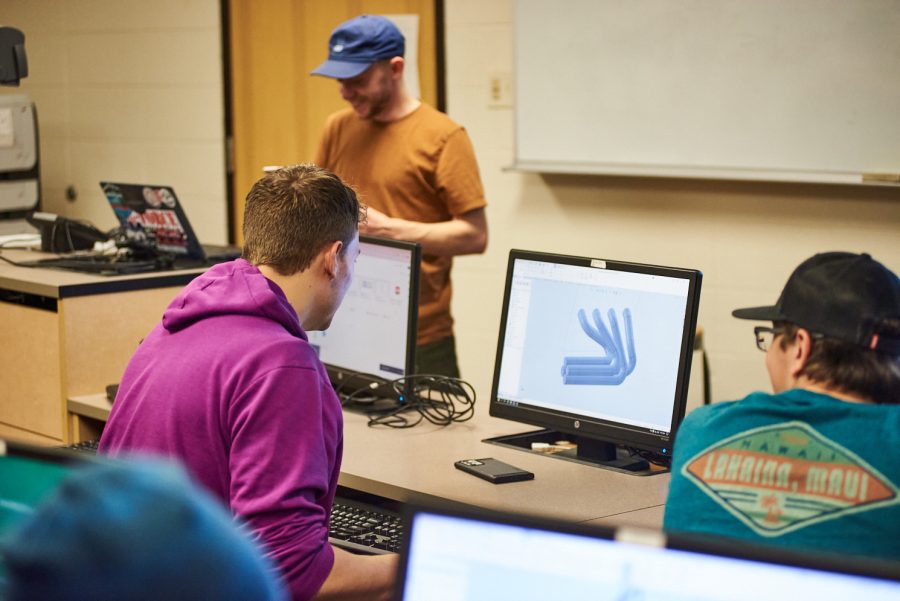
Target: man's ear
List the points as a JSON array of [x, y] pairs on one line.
[[331, 256], [800, 350], [397, 64]]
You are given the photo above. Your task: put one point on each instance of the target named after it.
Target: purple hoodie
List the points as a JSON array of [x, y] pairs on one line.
[[229, 385]]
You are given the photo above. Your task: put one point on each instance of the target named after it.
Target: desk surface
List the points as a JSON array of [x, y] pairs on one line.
[[416, 464], [59, 283]]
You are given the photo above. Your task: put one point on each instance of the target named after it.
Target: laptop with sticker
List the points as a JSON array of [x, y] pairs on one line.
[[151, 217], [154, 235]]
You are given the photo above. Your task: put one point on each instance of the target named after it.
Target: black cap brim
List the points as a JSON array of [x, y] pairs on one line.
[[770, 313]]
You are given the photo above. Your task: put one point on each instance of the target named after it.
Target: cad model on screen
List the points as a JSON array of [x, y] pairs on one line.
[[611, 368]]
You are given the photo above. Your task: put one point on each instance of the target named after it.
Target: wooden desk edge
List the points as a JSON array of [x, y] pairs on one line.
[[59, 284], [93, 406], [397, 493]]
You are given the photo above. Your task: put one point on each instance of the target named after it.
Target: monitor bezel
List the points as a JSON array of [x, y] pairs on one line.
[[591, 427], [342, 376]]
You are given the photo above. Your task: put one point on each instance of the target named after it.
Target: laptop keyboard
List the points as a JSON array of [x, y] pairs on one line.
[[356, 526]]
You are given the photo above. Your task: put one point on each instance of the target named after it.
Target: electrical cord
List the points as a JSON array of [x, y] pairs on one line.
[[11, 262], [654, 458], [65, 227], [111, 261], [437, 399], [52, 237], [7, 259], [361, 394]]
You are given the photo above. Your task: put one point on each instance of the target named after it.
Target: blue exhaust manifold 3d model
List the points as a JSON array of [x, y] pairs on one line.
[[610, 369]]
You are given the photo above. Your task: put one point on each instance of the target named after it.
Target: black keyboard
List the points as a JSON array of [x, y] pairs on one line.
[[85, 446], [356, 526], [364, 528], [98, 264]]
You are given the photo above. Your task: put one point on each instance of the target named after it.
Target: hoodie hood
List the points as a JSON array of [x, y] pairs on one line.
[[233, 288]]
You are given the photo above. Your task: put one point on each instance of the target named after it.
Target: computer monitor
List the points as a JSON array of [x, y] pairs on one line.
[[372, 339], [596, 352], [492, 556]]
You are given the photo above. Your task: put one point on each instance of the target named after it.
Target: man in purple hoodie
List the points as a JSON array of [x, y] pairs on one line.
[[228, 384]]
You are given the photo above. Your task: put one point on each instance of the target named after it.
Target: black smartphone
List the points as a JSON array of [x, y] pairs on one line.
[[492, 470]]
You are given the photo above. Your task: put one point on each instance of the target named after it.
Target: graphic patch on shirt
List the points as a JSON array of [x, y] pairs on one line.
[[780, 478]]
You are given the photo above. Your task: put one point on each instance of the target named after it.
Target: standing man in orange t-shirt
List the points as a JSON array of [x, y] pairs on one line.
[[412, 165]]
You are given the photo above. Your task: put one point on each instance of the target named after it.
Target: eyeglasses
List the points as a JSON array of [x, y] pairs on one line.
[[765, 336]]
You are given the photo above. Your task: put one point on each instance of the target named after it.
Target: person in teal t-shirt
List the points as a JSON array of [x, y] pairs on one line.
[[815, 466]]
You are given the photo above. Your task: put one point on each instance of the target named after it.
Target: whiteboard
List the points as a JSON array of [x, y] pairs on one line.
[[790, 90]]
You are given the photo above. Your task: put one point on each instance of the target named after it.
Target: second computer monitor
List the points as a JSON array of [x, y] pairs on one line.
[[372, 338], [596, 351]]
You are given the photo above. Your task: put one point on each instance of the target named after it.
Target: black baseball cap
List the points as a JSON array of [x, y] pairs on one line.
[[839, 295], [358, 43]]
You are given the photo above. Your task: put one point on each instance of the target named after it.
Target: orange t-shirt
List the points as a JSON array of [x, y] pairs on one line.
[[420, 168]]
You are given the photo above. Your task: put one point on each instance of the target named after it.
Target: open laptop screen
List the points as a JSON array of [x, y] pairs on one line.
[[464, 557]]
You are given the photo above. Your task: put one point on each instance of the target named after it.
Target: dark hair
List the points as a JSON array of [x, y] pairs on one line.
[[293, 213], [850, 368]]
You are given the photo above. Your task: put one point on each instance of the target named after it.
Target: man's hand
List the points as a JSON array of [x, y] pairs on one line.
[[364, 577], [465, 234], [377, 224]]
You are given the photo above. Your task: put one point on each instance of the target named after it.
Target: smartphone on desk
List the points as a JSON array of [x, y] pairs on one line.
[[492, 470]]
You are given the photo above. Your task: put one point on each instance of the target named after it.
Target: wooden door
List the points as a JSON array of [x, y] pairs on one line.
[[277, 109]]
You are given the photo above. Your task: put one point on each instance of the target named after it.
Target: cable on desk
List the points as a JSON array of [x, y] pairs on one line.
[[10, 261], [654, 458], [365, 391], [111, 233], [438, 399]]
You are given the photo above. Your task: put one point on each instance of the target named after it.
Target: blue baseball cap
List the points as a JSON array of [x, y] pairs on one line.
[[358, 43]]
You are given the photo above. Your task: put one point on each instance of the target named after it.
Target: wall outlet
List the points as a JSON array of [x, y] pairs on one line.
[[500, 90]]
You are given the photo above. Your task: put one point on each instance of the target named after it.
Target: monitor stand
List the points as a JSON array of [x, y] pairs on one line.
[[579, 449]]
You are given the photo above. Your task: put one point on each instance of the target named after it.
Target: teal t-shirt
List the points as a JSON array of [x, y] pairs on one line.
[[797, 469]]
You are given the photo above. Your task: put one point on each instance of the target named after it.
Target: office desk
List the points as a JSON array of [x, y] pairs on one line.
[[416, 465], [65, 334]]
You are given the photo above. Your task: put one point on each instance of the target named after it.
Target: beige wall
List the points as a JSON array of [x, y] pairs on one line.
[[131, 90], [745, 237], [126, 90]]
